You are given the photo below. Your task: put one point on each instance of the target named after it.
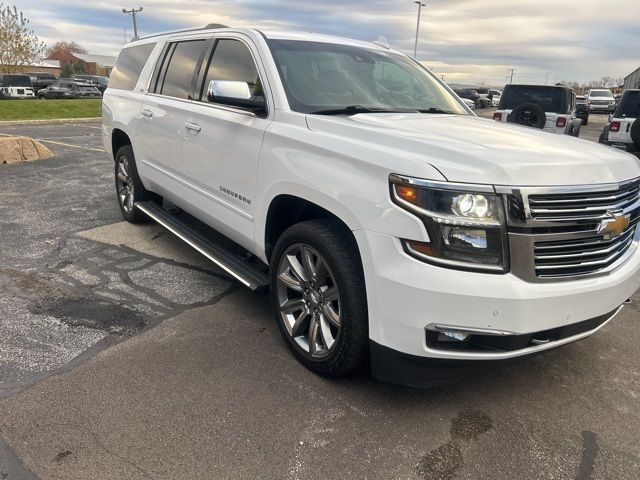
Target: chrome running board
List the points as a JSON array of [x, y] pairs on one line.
[[249, 275]]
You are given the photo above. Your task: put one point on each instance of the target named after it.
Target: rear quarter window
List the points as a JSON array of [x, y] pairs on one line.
[[129, 65]]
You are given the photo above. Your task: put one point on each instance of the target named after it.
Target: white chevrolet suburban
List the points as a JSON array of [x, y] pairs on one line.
[[394, 228]]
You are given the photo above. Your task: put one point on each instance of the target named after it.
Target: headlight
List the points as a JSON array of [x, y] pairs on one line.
[[465, 223]]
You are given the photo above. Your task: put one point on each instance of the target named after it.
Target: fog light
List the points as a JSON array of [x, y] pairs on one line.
[[449, 336]]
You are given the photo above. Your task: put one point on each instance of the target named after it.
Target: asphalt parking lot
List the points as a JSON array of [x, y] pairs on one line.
[[124, 354]]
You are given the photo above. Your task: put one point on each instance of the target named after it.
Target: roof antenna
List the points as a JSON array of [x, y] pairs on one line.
[[382, 42], [215, 25]]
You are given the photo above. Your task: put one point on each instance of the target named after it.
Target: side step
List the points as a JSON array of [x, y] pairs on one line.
[[247, 274]]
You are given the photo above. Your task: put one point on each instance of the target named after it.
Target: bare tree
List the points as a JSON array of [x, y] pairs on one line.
[[62, 49], [19, 45]]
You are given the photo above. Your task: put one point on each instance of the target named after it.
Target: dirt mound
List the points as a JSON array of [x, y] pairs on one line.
[[22, 149]]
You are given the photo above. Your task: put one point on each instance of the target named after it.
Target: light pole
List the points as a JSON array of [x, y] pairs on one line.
[[415, 46], [133, 12]]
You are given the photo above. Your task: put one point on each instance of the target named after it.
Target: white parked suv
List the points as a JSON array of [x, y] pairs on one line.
[[551, 108], [601, 100], [16, 86], [394, 228], [623, 129]]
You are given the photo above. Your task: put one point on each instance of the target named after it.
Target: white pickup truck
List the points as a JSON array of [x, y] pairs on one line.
[[395, 230]]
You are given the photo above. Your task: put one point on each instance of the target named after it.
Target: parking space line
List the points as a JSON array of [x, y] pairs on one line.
[[101, 150], [73, 146]]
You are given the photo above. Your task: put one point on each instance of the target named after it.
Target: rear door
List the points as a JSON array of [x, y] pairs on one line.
[[222, 142], [163, 116]]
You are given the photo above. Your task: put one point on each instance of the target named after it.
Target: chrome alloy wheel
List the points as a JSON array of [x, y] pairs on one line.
[[124, 184], [309, 300]]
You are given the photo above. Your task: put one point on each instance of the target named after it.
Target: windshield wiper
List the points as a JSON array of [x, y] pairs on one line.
[[435, 110], [352, 110]]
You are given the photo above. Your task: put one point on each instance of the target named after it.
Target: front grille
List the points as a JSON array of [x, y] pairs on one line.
[[579, 257], [584, 205], [555, 233]]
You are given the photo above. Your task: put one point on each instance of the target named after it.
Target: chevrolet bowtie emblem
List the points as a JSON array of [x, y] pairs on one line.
[[614, 227]]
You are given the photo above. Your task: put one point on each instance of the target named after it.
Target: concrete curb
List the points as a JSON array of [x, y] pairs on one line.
[[54, 121]]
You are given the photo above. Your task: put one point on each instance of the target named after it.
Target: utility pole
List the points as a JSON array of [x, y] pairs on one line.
[[415, 46], [510, 73], [133, 12]]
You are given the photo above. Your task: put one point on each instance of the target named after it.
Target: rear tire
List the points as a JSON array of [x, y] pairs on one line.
[[129, 188], [604, 136], [575, 131], [317, 285]]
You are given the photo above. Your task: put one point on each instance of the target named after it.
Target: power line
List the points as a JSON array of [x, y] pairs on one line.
[[133, 12]]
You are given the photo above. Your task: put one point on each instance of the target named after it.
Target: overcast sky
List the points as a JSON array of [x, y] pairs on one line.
[[468, 41]]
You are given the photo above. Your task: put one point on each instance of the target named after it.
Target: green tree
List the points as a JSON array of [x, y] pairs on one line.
[[80, 68], [67, 71], [19, 45]]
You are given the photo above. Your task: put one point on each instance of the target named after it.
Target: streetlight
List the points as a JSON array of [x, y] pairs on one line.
[[133, 12], [420, 5]]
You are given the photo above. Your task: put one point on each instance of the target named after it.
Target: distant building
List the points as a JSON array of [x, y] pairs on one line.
[[96, 64], [45, 66], [632, 80]]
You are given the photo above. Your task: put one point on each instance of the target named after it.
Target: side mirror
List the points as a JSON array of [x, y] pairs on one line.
[[235, 94]]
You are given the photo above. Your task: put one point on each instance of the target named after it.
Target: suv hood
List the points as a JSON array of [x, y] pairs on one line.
[[470, 149]]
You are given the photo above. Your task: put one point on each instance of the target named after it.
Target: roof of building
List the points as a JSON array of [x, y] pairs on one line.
[[632, 72], [102, 60]]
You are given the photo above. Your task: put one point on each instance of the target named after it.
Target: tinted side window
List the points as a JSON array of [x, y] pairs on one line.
[[232, 61], [177, 81], [129, 65]]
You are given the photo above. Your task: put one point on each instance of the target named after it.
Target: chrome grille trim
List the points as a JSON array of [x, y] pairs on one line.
[[553, 232]]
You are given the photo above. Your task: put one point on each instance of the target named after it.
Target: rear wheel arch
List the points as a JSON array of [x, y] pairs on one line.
[[119, 139]]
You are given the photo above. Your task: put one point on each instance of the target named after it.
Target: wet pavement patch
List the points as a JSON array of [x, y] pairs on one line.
[[442, 463], [469, 425], [92, 313]]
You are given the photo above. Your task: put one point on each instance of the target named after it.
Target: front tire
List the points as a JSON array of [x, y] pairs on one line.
[[319, 297], [129, 188]]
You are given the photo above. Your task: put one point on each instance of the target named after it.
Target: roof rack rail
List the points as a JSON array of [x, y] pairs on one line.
[[185, 30]]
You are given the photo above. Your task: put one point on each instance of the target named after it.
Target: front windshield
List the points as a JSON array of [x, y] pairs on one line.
[[320, 77], [601, 93]]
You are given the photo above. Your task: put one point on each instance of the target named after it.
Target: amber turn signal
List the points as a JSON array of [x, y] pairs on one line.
[[423, 248], [407, 193]]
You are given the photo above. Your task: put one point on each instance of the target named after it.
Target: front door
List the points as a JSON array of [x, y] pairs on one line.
[[222, 145]]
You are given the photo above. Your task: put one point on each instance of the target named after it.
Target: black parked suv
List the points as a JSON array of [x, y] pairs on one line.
[[470, 94], [66, 88], [582, 109], [97, 81], [41, 80]]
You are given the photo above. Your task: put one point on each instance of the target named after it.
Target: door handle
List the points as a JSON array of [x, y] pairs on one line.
[[194, 127], [147, 113]]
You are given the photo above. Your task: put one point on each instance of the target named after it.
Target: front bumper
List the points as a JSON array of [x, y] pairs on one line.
[[392, 366], [406, 295]]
